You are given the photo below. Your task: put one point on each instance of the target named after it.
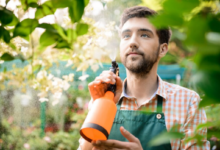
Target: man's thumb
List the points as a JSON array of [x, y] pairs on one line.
[[128, 135]]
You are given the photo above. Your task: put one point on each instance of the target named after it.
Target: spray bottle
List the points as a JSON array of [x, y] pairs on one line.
[[98, 123]]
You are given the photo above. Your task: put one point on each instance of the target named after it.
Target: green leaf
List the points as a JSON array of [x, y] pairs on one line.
[[214, 24], [24, 4], [28, 3], [46, 26], [76, 10], [205, 125], [5, 70], [208, 62], [86, 2], [5, 34], [196, 30], [208, 82], [213, 133], [12, 46], [165, 20], [6, 16], [44, 10], [48, 38], [62, 44], [198, 138], [37, 68], [82, 28], [7, 1], [7, 57], [1, 31], [165, 137], [61, 31], [14, 21], [62, 4], [25, 28], [180, 6], [33, 4], [71, 35]]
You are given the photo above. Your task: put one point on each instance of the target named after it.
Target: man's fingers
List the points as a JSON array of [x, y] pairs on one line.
[[110, 80], [128, 135], [110, 144]]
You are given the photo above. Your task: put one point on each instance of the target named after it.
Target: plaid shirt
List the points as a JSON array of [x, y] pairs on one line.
[[179, 107]]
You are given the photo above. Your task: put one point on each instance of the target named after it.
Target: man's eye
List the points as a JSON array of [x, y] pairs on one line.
[[126, 36], [144, 35]]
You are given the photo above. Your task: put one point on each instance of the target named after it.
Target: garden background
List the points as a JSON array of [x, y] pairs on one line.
[[50, 51]]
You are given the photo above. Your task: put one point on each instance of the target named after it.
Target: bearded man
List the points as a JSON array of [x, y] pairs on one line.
[[141, 48]]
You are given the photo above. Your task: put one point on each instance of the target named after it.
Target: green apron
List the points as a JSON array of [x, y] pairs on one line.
[[144, 126]]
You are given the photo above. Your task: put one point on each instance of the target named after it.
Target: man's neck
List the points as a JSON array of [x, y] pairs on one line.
[[142, 87]]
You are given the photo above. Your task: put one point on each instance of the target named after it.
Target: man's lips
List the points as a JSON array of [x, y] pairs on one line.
[[132, 53]]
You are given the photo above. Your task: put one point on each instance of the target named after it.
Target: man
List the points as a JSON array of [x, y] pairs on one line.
[[141, 48]]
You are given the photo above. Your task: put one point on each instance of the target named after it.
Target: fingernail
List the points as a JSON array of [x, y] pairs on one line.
[[113, 81], [98, 142], [123, 129]]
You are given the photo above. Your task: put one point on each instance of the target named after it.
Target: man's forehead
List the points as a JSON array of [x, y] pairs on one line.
[[138, 23]]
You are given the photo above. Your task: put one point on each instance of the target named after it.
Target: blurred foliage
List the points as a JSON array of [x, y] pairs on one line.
[[42, 33], [13, 139], [195, 25], [80, 41]]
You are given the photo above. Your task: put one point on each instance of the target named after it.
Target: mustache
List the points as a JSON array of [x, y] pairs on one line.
[[134, 50]]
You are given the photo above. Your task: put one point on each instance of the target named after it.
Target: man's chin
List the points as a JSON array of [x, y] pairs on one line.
[[132, 65]]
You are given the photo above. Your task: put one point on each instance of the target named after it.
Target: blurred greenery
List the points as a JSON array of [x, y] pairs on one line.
[[195, 26], [194, 44]]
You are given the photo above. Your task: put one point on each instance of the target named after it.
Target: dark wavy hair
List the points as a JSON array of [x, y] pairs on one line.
[[144, 12]]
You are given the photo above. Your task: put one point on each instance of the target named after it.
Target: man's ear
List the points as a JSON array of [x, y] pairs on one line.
[[163, 49]]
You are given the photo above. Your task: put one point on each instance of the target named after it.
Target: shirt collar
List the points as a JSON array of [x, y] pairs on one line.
[[160, 90]]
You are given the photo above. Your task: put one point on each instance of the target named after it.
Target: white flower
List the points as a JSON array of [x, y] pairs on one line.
[[41, 74], [1, 77], [83, 77], [57, 95], [66, 85], [69, 63], [24, 49], [43, 99], [26, 146], [74, 55], [47, 139], [50, 76], [56, 101], [47, 89], [57, 82], [95, 67]]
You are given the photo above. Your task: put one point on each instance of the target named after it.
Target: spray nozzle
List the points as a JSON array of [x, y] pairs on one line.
[[114, 68]]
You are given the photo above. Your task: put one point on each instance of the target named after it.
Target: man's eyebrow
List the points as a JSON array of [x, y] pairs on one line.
[[126, 30], [141, 29], [144, 29]]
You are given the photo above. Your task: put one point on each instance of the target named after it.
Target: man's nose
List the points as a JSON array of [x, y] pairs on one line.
[[133, 42]]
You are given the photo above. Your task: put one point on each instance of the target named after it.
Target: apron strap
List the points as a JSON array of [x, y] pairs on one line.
[[119, 103], [159, 104]]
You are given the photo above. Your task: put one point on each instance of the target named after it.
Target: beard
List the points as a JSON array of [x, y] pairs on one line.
[[141, 66]]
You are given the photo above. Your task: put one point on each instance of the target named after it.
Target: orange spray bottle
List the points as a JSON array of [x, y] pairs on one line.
[[98, 123]]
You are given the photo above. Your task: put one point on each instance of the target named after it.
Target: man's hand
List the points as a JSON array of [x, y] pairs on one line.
[[133, 144], [98, 87]]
